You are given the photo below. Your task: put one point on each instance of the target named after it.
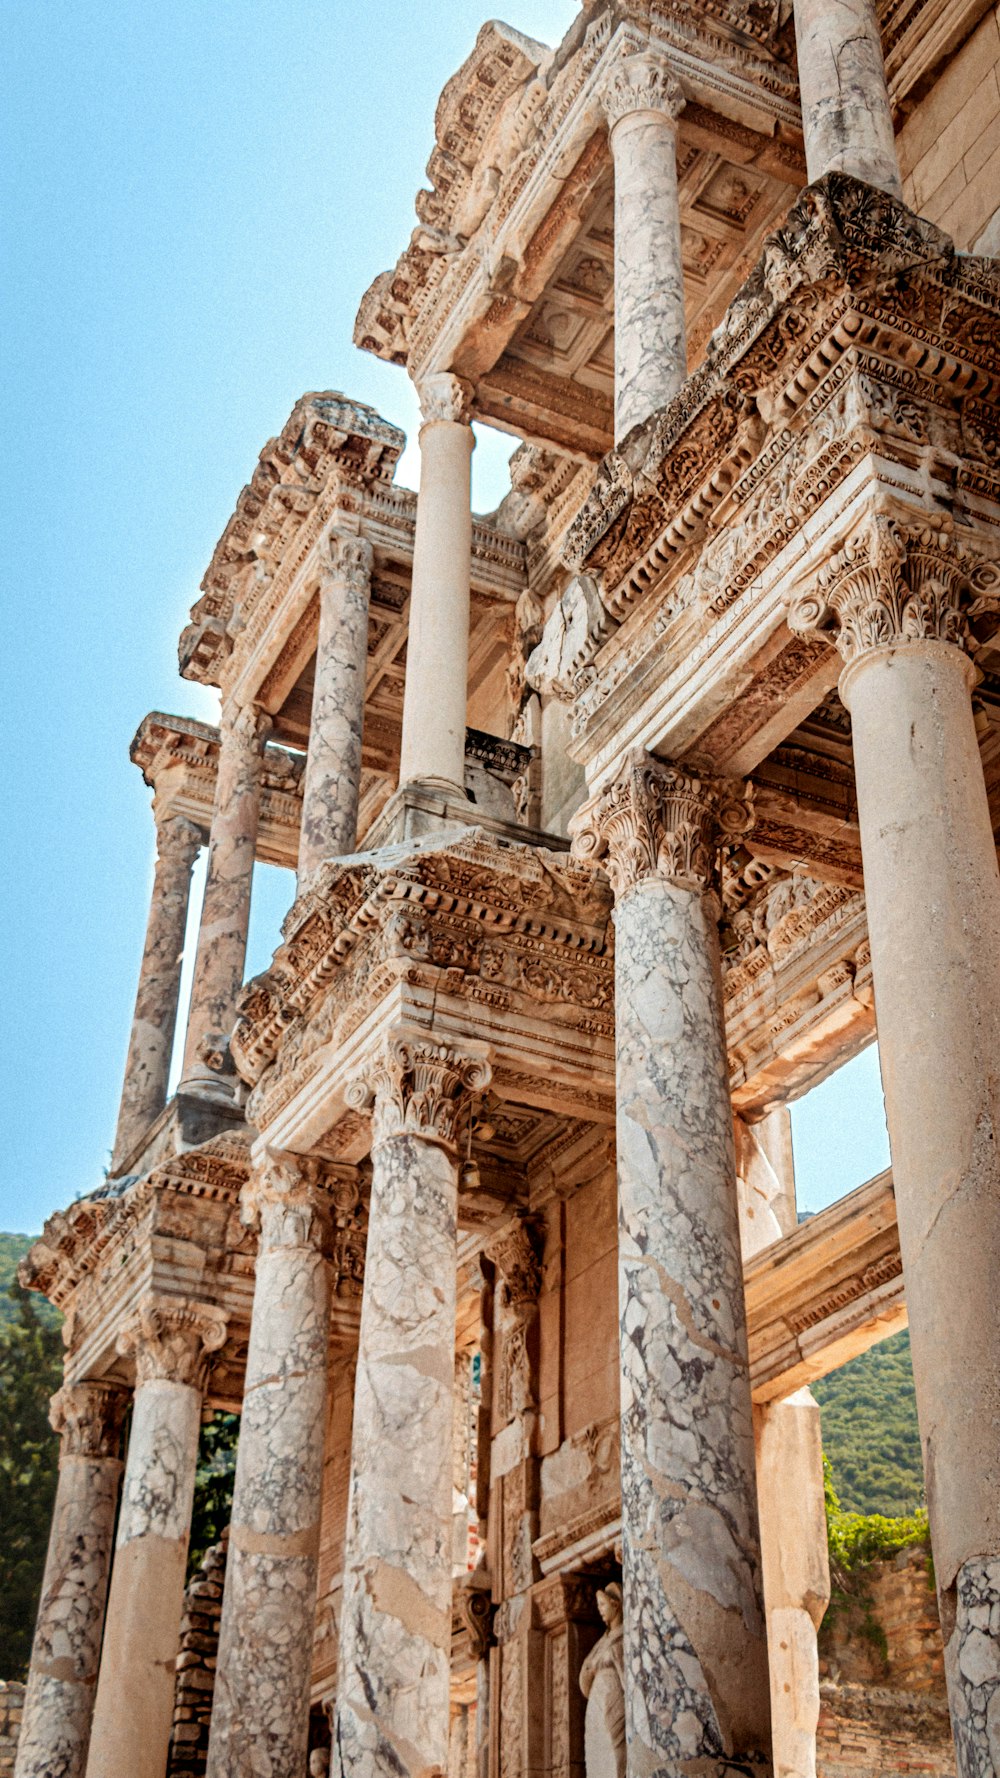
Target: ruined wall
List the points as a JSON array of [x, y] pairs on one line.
[[11, 1706], [949, 148], [874, 1732], [196, 1661], [890, 1635]]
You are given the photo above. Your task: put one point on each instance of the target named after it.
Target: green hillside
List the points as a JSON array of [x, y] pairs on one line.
[[869, 1418]]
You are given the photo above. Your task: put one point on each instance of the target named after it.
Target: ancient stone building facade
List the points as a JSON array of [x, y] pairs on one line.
[[619, 817]]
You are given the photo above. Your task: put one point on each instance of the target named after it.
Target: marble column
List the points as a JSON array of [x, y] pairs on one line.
[[260, 1716], [642, 101], [437, 649], [333, 764], [393, 1683], [896, 601], [66, 1651], [171, 1340], [147, 1069], [696, 1672], [225, 914], [789, 1476], [846, 115]]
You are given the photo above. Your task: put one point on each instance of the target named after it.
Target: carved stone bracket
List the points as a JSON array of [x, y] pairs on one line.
[[644, 82], [444, 396], [659, 821], [891, 585], [513, 1254], [172, 1340], [416, 1086], [476, 1609], [88, 1418]]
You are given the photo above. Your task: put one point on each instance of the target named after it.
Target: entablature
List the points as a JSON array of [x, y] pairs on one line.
[[179, 760]]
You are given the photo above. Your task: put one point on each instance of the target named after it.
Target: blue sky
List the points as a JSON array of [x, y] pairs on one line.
[[194, 199]]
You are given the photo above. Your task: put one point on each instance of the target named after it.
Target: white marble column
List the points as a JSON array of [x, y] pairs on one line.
[[437, 649], [225, 914], [846, 115], [393, 1707], [896, 601], [260, 1714], [333, 764], [66, 1651], [696, 1673], [642, 101], [147, 1068], [789, 1477], [171, 1340]]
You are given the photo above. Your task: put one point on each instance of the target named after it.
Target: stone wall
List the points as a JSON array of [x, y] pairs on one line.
[[875, 1732], [889, 1634], [199, 1647], [949, 148], [11, 1705]]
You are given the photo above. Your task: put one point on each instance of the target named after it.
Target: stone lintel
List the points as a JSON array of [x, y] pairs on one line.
[[179, 759]]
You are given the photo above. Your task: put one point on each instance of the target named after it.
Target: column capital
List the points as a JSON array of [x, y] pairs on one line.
[[349, 558], [171, 1340], [641, 82], [513, 1253], [445, 396], [88, 1418], [246, 723], [178, 840], [893, 584], [416, 1085], [301, 1201], [660, 822]]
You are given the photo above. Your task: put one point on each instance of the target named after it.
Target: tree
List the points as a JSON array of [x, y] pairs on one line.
[[213, 1488], [30, 1373]]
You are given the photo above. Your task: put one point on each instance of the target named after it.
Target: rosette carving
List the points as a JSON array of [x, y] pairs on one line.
[[889, 585], [88, 1418], [416, 1086], [643, 82], [172, 1340], [659, 821]]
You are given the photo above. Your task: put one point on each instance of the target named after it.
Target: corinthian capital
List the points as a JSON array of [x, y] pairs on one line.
[[891, 585], [643, 82], [299, 1200], [178, 842], [350, 561], [172, 1340], [88, 1418], [248, 725], [416, 1086], [661, 822], [444, 396]]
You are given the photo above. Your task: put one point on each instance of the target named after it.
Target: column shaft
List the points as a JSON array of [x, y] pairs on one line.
[[696, 1673], [333, 766], [225, 914], [933, 897], [846, 115], [260, 1716], [642, 101], [437, 650], [66, 1651], [133, 1712], [147, 1068], [393, 1707]]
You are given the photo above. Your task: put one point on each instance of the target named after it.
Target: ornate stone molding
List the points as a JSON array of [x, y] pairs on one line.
[[416, 1086], [659, 821], [516, 1261], [444, 396], [88, 1418], [172, 1340], [890, 585], [642, 82], [350, 562]]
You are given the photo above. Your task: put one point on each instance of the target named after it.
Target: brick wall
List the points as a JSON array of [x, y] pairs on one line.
[[890, 1634], [196, 1661], [11, 1705], [874, 1732], [949, 148]]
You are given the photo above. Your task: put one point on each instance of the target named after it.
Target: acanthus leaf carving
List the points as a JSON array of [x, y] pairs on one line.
[[660, 821], [417, 1085]]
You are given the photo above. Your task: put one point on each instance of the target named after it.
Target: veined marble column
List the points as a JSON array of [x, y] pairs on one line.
[[896, 603], [393, 1681], [225, 914], [133, 1713], [642, 101], [260, 1715], [147, 1068], [789, 1478], [333, 764], [696, 1673], [846, 115], [66, 1651], [437, 649]]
